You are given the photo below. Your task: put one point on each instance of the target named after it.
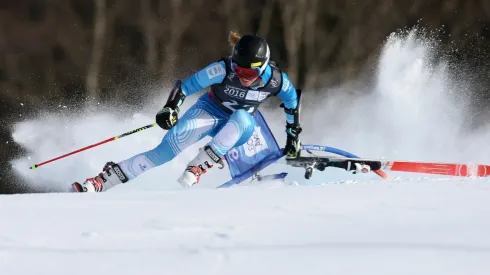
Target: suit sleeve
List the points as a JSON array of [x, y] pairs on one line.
[[212, 74], [289, 96]]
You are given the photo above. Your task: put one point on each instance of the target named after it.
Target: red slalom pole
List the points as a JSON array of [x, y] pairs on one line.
[[94, 145]]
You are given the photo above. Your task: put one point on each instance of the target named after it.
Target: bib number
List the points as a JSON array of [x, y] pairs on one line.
[[233, 105]]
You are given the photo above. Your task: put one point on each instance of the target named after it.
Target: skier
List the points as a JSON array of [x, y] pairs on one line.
[[239, 84]]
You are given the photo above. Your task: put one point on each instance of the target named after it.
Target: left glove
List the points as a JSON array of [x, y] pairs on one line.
[[167, 117], [293, 143]]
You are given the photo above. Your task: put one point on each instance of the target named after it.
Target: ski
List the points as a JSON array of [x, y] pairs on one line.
[[449, 169]]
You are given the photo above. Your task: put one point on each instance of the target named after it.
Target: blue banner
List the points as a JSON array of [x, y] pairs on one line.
[[257, 153]]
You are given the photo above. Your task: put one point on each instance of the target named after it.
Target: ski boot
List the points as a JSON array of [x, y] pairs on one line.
[[111, 176], [205, 160], [358, 168]]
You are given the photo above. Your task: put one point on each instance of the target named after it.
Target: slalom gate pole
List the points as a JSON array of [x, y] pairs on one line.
[[94, 145]]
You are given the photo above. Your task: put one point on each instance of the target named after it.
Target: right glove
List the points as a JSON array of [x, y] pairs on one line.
[[293, 143], [167, 117]]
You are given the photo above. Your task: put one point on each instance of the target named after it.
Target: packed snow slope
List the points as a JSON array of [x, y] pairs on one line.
[[402, 227]]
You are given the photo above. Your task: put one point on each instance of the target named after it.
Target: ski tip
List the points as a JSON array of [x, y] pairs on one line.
[[77, 187], [33, 167], [381, 173]]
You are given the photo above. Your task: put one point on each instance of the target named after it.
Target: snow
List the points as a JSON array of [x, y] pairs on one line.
[[370, 227]]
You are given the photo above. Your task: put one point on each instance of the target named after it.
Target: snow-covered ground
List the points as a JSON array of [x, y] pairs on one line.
[[371, 227]]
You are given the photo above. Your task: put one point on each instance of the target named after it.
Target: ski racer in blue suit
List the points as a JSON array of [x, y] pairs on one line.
[[238, 85]]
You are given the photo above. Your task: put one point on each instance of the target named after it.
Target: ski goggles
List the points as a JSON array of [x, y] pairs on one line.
[[248, 73]]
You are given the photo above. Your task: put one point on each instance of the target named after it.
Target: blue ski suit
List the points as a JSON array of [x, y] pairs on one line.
[[223, 113]]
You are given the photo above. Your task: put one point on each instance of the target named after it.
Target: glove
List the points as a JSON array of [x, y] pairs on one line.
[[293, 143], [167, 117]]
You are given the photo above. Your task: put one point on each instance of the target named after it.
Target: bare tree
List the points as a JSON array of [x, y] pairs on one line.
[[326, 38], [181, 18], [293, 18], [149, 26], [310, 32], [486, 7], [236, 14], [92, 81], [266, 17]]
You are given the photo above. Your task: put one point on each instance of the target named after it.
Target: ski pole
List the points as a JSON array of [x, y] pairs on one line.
[[94, 145]]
